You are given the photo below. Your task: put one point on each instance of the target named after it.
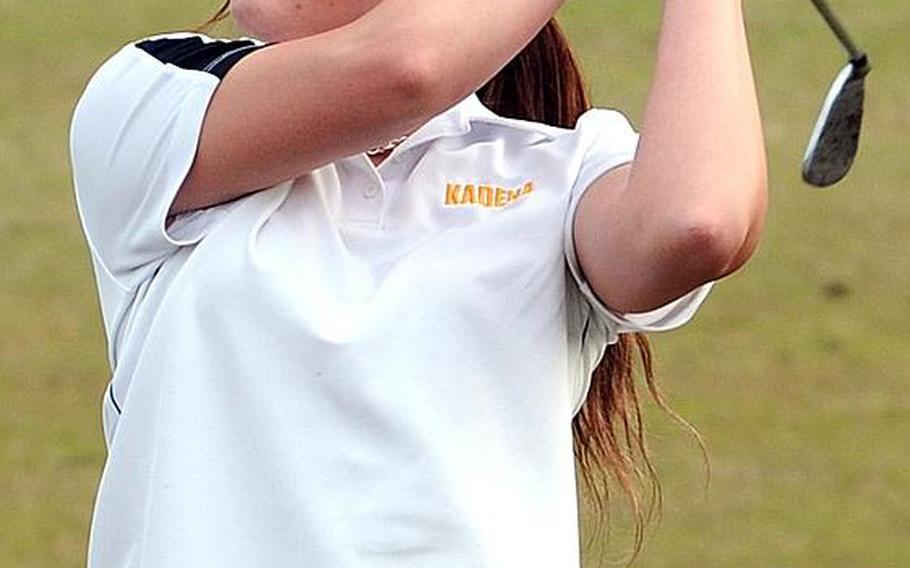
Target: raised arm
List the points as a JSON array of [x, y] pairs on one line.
[[300, 104], [691, 207]]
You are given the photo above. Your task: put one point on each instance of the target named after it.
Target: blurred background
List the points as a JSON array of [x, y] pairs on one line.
[[796, 369]]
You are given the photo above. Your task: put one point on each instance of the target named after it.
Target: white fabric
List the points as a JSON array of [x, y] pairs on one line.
[[343, 370]]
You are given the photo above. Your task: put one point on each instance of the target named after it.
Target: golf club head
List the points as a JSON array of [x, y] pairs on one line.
[[835, 138]]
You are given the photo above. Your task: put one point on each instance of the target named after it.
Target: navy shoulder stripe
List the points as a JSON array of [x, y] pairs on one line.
[[193, 52]]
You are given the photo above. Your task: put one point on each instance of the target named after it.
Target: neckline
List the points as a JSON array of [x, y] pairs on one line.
[[454, 121]]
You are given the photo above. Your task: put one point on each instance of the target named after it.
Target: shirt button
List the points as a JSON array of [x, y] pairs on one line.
[[371, 190]]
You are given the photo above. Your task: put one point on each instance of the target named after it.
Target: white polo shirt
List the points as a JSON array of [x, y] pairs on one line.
[[359, 368]]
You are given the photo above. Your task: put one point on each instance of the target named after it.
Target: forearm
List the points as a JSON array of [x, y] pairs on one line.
[[701, 164]]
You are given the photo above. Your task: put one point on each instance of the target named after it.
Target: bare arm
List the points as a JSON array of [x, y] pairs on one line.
[[692, 205], [297, 105]]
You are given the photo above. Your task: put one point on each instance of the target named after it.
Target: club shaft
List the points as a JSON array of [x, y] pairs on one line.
[[838, 29]]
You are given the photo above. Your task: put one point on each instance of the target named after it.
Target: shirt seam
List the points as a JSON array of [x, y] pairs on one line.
[[215, 62]]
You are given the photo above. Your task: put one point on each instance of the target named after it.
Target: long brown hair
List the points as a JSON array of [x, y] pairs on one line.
[[544, 83]]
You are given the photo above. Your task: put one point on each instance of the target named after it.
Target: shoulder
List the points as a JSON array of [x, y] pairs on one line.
[[152, 90], [195, 51], [190, 54], [591, 124], [600, 121], [159, 71]]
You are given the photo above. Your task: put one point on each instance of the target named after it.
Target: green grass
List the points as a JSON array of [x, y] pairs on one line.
[[801, 393]]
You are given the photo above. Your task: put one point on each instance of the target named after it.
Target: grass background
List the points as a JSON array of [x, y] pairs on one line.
[[795, 370]]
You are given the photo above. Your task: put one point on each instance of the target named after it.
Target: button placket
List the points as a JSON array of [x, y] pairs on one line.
[[362, 192], [391, 172]]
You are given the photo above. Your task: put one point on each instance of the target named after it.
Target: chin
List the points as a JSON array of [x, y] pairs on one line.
[[271, 25]]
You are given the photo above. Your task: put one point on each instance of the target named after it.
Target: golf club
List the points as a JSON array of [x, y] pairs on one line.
[[835, 138]]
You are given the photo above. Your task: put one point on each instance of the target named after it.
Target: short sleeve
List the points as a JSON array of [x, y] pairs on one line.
[[608, 141], [133, 139]]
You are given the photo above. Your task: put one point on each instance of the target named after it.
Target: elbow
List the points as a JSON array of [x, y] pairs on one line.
[[714, 247], [423, 82], [720, 243], [747, 247], [707, 248], [415, 75]]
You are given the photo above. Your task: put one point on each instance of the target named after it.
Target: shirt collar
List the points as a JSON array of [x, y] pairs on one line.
[[454, 121]]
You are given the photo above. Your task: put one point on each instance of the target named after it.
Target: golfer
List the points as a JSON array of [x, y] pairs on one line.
[[372, 274]]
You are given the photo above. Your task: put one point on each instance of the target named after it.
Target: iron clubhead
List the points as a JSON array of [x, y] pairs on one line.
[[835, 139]]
